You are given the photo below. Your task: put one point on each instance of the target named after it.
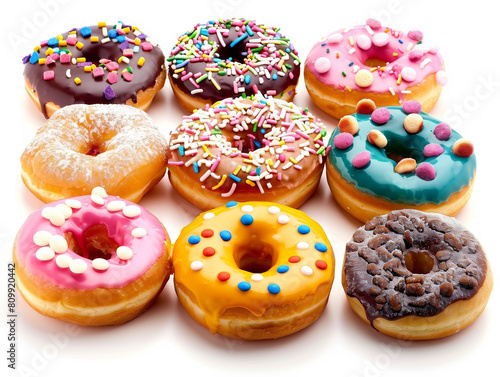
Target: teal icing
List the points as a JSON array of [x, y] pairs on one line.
[[378, 177]]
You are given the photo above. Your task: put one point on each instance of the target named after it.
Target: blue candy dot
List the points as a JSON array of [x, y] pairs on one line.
[[225, 235], [231, 204], [194, 239], [273, 288], [85, 31], [112, 33], [282, 269], [304, 229], [53, 42], [320, 247], [246, 219], [244, 286]]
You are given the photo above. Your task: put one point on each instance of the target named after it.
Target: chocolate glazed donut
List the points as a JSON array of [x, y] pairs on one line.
[[414, 270], [110, 64]]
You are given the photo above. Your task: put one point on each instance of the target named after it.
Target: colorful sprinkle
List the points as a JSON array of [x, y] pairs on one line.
[[303, 229], [432, 149], [343, 140], [225, 235], [194, 239], [320, 264], [282, 269], [294, 259], [246, 219], [381, 115], [425, 171], [207, 233], [208, 251], [196, 265], [361, 159], [273, 288], [306, 270], [321, 247], [223, 276], [442, 131], [244, 286]]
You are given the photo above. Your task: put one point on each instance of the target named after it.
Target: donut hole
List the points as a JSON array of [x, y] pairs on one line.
[[381, 58], [94, 243], [255, 256], [94, 150], [419, 262], [397, 150]]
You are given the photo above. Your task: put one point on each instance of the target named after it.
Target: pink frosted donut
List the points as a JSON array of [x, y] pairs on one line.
[[372, 61], [92, 260]]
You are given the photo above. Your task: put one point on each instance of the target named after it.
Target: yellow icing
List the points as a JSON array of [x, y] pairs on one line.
[[265, 235]]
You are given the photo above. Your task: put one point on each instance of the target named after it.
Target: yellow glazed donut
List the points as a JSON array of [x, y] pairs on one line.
[[253, 270]]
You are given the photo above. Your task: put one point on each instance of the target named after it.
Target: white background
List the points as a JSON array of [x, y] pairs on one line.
[[165, 340]]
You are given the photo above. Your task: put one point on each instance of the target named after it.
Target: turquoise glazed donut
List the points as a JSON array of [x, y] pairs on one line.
[[388, 158]]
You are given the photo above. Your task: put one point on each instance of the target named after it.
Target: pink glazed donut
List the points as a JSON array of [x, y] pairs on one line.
[[92, 260], [374, 62]]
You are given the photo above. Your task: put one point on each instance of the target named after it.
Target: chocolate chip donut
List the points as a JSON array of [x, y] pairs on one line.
[[416, 275]]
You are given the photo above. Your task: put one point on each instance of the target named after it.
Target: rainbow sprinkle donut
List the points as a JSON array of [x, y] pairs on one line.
[[231, 58], [253, 270]]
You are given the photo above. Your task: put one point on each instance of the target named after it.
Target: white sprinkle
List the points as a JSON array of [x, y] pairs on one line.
[[68, 73], [139, 232], [63, 260], [65, 210], [392, 91], [124, 253], [97, 199], [196, 265], [132, 211], [78, 266], [100, 264], [45, 253], [302, 245], [283, 219], [41, 238], [247, 208], [73, 203], [274, 210], [306, 270], [58, 244], [116, 205], [425, 62], [257, 277], [99, 191], [208, 215]]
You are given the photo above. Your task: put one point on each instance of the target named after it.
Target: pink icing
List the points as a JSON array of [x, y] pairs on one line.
[[146, 249], [361, 43]]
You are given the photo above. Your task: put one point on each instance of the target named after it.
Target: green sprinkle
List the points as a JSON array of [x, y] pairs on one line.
[[343, 74]]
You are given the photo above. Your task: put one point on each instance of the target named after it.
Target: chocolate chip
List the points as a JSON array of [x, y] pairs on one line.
[[368, 255], [373, 269], [373, 223], [415, 289], [453, 241], [434, 300], [444, 266], [415, 279], [381, 299], [395, 227], [408, 240], [381, 281], [468, 282], [395, 302], [443, 255], [419, 302], [378, 240], [380, 229], [383, 254], [375, 291], [358, 236], [446, 289], [439, 226], [463, 263], [393, 263], [351, 247]]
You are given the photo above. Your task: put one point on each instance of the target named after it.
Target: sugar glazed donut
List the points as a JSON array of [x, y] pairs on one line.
[[116, 64], [253, 270], [416, 275], [231, 58], [80, 147], [92, 260], [371, 61], [399, 157], [243, 149]]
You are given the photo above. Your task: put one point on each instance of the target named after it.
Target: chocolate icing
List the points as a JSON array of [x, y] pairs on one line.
[[412, 263], [64, 91], [249, 50]]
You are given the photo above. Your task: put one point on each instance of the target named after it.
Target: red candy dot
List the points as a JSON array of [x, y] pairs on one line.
[[294, 259], [208, 251], [321, 264], [223, 276], [207, 233]]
